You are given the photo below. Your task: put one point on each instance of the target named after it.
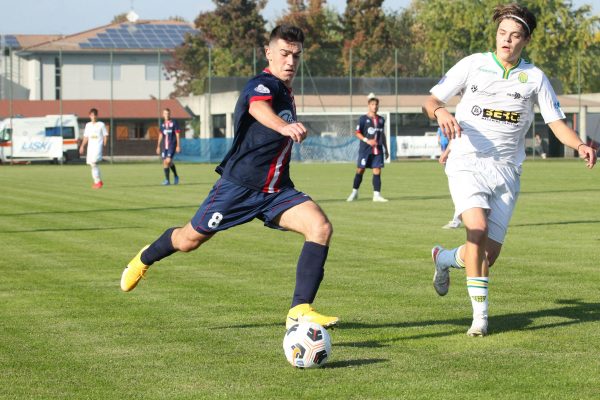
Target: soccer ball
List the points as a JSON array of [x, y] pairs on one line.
[[307, 345]]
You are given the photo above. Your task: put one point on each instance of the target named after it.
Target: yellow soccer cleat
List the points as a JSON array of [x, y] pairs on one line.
[[305, 313], [134, 272]]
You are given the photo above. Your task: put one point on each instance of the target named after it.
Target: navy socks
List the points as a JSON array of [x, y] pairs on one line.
[[161, 248], [174, 170], [377, 183], [166, 170], [357, 181], [309, 272]]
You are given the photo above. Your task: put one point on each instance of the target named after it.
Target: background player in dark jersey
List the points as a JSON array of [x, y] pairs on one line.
[[371, 150], [168, 145], [255, 181]]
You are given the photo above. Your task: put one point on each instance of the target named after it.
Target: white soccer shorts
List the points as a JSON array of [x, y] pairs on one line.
[[482, 182]]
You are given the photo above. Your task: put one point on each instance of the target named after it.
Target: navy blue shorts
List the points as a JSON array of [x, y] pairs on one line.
[[167, 153], [228, 205], [370, 161]]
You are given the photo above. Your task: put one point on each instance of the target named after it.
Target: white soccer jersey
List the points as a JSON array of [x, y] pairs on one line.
[[95, 133], [496, 106]]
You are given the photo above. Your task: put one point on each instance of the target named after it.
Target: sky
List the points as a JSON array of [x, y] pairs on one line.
[[73, 16]]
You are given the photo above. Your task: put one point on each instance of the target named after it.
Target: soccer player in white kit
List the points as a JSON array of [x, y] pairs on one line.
[[498, 92], [95, 137]]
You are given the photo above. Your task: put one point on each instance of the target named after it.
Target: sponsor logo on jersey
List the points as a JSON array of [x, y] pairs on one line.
[[372, 131], [523, 78], [501, 115], [286, 115], [262, 89], [476, 110], [489, 71], [473, 88], [557, 105]]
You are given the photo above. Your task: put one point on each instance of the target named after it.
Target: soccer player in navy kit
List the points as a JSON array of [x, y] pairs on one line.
[[371, 149], [255, 181], [168, 145]]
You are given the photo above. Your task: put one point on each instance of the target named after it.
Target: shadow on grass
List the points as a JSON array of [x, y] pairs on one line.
[[573, 311], [354, 363], [585, 221], [71, 229], [367, 198]]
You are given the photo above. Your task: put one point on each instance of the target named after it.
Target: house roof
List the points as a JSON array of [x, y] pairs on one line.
[[141, 36], [121, 109]]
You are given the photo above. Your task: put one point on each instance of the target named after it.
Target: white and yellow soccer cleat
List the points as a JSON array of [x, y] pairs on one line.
[[134, 272], [479, 327], [305, 313]]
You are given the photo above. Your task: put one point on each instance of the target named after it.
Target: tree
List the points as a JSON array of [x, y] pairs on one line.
[[119, 18], [367, 39], [231, 34], [323, 36], [564, 37]]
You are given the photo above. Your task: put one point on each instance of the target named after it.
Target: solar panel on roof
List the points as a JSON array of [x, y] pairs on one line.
[[10, 41], [145, 36]]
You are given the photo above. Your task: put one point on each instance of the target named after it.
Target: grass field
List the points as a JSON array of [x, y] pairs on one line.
[[209, 324]]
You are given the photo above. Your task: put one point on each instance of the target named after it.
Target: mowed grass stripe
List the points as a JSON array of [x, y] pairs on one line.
[[210, 324]]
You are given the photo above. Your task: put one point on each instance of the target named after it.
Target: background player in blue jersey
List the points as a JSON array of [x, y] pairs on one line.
[[168, 145], [371, 150], [255, 181]]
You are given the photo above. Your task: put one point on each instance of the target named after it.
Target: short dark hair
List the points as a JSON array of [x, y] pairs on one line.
[[289, 33], [167, 109], [513, 10], [93, 111]]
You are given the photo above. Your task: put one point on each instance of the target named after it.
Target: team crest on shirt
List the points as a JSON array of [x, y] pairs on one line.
[[476, 110], [286, 115], [262, 89], [523, 78]]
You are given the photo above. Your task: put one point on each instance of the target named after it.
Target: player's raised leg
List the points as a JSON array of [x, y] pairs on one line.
[[172, 240], [308, 219]]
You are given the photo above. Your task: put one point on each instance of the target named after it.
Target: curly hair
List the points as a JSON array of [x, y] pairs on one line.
[[517, 13]]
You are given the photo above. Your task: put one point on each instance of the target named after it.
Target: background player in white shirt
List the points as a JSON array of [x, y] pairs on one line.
[[95, 137], [498, 93]]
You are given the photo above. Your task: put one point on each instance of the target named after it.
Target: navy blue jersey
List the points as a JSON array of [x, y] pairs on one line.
[[259, 157], [169, 129], [371, 128]]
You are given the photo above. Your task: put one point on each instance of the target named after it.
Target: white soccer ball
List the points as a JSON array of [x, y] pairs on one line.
[[307, 345]]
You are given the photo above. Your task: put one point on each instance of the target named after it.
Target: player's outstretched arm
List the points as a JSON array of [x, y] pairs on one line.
[[569, 137], [434, 109], [263, 113]]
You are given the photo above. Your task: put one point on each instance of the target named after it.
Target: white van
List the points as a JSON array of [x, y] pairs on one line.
[[39, 138]]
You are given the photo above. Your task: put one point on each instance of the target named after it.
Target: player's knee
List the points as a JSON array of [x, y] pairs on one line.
[[477, 234], [188, 245], [321, 232]]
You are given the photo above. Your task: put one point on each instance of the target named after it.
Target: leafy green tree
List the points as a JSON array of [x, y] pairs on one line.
[[233, 34], [563, 41], [323, 36], [367, 39]]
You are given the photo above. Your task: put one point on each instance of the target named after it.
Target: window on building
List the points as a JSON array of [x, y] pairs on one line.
[[102, 72], [57, 78], [219, 125]]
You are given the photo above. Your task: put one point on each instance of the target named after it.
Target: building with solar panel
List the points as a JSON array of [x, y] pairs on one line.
[[78, 66], [117, 68]]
